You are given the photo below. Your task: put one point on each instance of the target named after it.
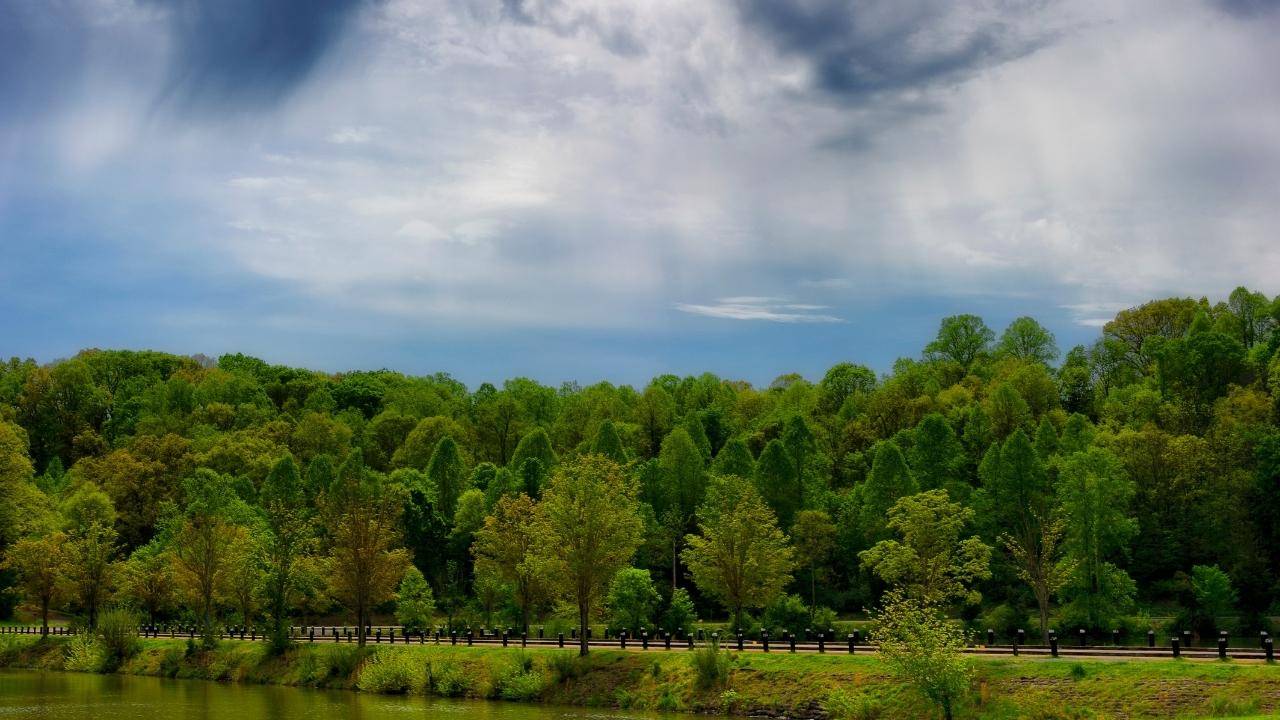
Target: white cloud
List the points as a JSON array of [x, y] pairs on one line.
[[760, 308]]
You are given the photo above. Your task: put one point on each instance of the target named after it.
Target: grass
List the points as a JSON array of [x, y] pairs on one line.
[[844, 687]]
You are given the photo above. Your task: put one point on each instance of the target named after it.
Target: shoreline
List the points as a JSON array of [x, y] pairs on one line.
[[813, 687]]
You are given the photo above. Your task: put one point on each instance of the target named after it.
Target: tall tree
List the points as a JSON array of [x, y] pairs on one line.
[[890, 479], [39, 563], [361, 515], [741, 557], [1094, 492], [937, 458], [961, 339], [814, 536], [588, 527], [654, 414], [931, 562], [204, 540], [534, 446], [504, 547], [609, 444], [776, 481], [798, 439], [447, 475], [288, 537], [1026, 339], [734, 459]]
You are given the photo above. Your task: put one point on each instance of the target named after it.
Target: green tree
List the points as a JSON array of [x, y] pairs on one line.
[[1046, 439], [924, 649], [680, 612], [535, 445], [889, 480], [39, 562], [931, 562], [1094, 492], [1026, 339], [741, 557], [654, 413], [1213, 593], [587, 528], [814, 537], [505, 547], [415, 604], [961, 339], [147, 580], [937, 458], [843, 381], [447, 475], [798, 439], [734, 459], [609, 444], [204, 541], [776, 481], [361, 515], [632, 599], [288, 537], [693, 425]]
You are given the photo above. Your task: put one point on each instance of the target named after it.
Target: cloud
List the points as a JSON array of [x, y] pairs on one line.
[[859, 51], [245, 53], [768, 309]]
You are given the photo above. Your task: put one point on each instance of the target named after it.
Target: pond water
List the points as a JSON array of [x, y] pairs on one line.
[[74, 696]]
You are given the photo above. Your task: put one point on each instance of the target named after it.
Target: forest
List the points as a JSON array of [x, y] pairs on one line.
[[1017, 486]]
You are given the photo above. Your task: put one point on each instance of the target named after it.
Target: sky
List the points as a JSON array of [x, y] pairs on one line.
[[600, 190]]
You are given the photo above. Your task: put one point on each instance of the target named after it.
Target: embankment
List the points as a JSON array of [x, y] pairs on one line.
[[839, 687]]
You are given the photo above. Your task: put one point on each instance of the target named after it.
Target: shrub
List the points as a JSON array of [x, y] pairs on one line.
[[446, 679], [118, 633], [565, 665], [520, 685], [788, 612], [390, 673], [711, 666], [1006, 620], [345, 660], [83, 655]]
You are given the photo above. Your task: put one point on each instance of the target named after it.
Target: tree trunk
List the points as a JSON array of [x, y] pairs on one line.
[[813, 591], [360, 622], [44, 617], [675, 564], [583, 614]]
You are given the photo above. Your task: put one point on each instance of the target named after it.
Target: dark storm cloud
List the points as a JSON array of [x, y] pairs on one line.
[[248, 53], [858, 50]]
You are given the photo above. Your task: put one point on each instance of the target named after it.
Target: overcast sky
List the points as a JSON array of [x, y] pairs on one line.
[[595, 189]]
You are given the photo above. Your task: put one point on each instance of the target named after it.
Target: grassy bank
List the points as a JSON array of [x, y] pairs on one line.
[[835, 686]]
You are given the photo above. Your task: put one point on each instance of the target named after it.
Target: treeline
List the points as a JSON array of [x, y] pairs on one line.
[[992, 474]]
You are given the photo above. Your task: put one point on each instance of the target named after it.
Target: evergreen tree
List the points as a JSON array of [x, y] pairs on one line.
[[535, 444], [889, 480], [446, 474], [798, 439], [937, 457], [734, 459], [693, 425], [776, 481], [609, 444], [1046, 439]]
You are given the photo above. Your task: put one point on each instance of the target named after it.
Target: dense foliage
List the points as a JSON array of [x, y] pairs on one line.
[[989, 474]]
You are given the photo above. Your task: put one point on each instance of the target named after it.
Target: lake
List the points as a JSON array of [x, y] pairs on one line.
[[75, 696]]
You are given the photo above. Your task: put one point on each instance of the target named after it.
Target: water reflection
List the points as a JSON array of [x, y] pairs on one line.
[[73, 696]]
